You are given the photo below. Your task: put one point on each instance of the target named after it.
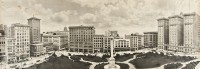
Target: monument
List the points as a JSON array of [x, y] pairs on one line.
[[111, 60]]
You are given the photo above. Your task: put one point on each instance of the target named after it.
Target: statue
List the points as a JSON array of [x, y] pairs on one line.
[[111, 60]]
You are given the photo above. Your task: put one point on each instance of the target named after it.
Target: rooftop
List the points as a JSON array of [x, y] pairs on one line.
[[150, 32], [33, 18], [189, 14], [176, 16], [163, 18], [20, 25], [81, 26]]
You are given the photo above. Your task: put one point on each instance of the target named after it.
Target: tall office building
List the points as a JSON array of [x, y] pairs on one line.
[[107, 43], [136, 41], [21, 34], [34, 24], [163, 33], [191, 32], [81, 38], [150, 39], [175, 32]]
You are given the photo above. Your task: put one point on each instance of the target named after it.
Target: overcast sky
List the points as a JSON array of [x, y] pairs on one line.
[[125, 16]]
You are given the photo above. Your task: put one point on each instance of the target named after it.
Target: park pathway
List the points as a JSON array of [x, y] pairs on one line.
[[131, 66]]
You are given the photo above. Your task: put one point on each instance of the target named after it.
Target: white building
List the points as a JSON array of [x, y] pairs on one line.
[[122, 44], [191, 32], [163, 33], [21, 34], [175, 32]]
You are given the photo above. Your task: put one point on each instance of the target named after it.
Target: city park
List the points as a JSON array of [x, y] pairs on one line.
[[140, 59]]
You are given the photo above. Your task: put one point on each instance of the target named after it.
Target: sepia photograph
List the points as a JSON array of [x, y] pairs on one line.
[[99, 34]]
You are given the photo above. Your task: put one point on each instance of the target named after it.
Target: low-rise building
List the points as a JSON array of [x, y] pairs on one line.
[[122, 44], [37, 50]]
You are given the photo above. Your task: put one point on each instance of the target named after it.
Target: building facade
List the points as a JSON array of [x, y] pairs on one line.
[[81, 38], [175, 32], [191, 32], [121, 45], [163, 33], [21, 34], [98, 43], [136, 41], [150, 39], [2, 46], [34, 24]]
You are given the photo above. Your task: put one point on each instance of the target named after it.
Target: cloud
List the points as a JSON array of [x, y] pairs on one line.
[[126, 16]]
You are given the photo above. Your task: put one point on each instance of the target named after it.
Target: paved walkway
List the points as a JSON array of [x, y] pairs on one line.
[[131, 66]]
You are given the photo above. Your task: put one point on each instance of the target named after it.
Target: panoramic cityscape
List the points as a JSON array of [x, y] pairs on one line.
[[94, 34]]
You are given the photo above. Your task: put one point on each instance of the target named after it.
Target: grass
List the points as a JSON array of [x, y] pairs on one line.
[[122, 66], [173, 66], [62, 62], [151, 60]]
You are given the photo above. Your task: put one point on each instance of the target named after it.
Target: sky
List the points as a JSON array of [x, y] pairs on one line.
[[125, 16]]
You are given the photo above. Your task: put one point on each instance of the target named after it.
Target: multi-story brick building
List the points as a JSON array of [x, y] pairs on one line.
[[21, 34], [150, 39], [2, 46], [98, 43], [81, 38], [136, 41]]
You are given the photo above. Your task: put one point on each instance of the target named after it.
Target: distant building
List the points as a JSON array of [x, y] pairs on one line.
[[81, 38], [150, 39], [37, 50], [121, 44], [2, 46], [175, 32], [191, 32], [136, 41], [163, 33], [21, 34], [113, 34], [34, 24], [98, 43]]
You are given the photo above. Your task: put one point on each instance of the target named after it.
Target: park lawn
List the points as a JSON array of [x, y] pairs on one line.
[[62, 62], [151, 60], [122, 66]]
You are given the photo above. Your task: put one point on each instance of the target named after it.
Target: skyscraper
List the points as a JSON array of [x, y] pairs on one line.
[[81, 38], [163, 33], [191, 32], [175, 32], [34, 24]]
